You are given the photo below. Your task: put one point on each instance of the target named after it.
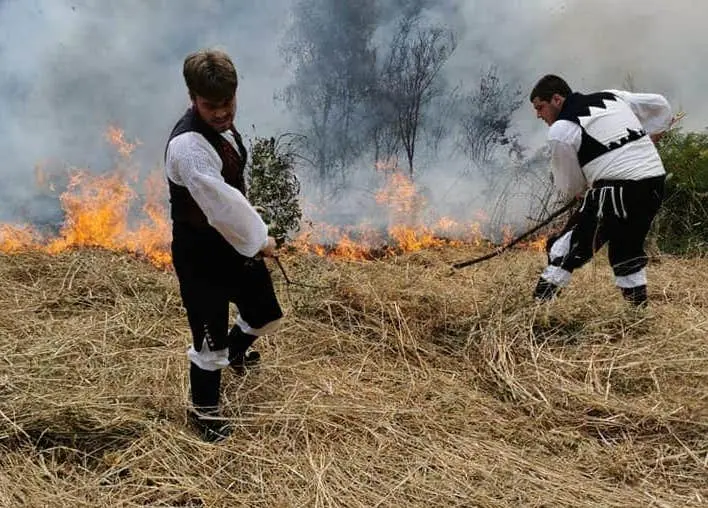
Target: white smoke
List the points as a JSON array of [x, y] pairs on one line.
[[71, 68]]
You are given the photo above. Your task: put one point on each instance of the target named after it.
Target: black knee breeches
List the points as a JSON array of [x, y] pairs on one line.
[[211, 275], [617, 213]]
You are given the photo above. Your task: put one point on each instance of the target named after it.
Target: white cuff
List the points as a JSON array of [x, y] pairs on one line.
[[556, 275], [632, 280], [266, 329], [561, 247], [207, 359]]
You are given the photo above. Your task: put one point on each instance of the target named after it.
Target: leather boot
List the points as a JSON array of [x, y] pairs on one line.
[[545, 291], [637, 296]]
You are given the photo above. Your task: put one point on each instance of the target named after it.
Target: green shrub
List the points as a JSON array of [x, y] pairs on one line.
[[682, 224], [273, 187]]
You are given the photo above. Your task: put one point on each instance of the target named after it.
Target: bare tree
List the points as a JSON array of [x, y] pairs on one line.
[[486, 120], [329, 50], [383, 129], [410, 79]]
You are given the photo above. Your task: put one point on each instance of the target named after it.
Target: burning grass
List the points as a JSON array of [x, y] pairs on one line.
[[402, 385]]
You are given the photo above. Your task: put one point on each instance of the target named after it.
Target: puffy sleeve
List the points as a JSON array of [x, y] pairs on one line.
[[653, 110], [193, 163], [564, 139]]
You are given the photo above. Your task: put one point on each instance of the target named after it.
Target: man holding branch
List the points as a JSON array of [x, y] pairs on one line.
[[218, 238], [602, 150]]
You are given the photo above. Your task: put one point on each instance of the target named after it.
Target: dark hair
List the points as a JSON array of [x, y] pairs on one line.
[[211, 74], [549, 85]]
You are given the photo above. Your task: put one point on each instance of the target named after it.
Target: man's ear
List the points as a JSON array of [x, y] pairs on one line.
[[557, 99]]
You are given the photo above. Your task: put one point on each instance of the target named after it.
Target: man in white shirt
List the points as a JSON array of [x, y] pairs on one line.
[[218, 238], [602, 145]]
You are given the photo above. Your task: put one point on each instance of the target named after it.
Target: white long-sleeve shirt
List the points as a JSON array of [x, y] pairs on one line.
[[634, 160], [193, 163]]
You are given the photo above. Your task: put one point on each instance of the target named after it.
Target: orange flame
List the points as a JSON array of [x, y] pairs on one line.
[[346, 248], [153, 235], [17, 238], [409, 239], [536, 245], [116, 137], [97, 210], [403, 206], [100, 211], [401, 203], [400, 197]]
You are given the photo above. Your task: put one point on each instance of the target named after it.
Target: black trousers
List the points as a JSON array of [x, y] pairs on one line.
[[618, 213], [213, 274]]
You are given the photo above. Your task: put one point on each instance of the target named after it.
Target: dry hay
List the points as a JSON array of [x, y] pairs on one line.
[[402, 385]]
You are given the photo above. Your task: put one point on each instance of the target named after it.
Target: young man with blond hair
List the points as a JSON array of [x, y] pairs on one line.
[[218, 238]]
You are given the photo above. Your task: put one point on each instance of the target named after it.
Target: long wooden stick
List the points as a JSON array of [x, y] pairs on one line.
[[516, 240], [290, 282]]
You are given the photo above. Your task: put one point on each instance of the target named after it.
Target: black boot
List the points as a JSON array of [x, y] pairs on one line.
[[545, 291], [240, 358], [204, 416], [637, 296]]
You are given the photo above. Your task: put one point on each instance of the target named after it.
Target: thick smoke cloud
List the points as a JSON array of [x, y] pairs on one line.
[[71, 68], [655, 45]]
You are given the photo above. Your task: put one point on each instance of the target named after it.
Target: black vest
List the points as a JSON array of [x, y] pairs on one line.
[[183, 208], [578, 105]]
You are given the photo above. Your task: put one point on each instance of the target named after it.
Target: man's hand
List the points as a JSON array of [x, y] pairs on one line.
[[657, 137], [269, 250], [676, 118]]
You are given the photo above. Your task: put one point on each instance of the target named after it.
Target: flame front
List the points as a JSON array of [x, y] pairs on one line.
[[101, 211], [97, 213], [17, 238], [407, 228], [96, 210]]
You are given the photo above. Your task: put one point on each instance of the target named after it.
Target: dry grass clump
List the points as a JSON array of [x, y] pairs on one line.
[[402, 384]]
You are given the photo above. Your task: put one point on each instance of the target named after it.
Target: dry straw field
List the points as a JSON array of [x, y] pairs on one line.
[[401, 384]]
